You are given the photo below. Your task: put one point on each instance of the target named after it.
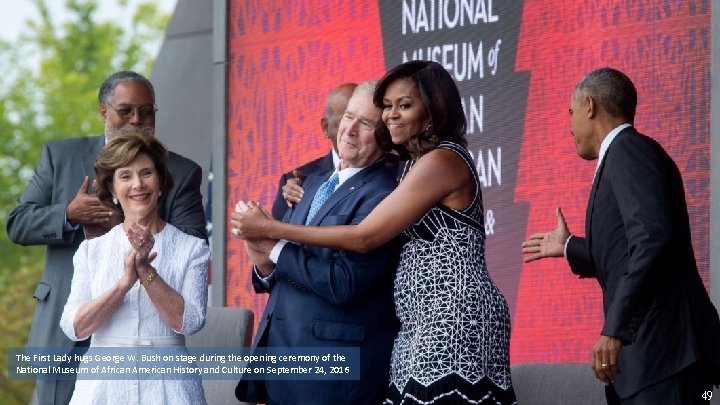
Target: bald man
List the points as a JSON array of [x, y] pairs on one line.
[[335, 106]]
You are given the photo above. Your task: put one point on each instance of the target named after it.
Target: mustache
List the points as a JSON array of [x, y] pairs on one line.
[[144, 131]]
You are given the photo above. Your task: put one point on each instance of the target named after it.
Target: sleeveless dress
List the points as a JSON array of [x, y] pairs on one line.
[[453, 345]]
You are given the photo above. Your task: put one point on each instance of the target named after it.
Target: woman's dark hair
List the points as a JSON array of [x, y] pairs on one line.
[[382, 137], [120, 151], [441, 98]]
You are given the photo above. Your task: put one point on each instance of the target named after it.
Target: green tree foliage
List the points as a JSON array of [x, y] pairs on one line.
[[48, 91]]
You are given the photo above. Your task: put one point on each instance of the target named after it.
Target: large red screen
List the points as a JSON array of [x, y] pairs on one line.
[[515, 65]]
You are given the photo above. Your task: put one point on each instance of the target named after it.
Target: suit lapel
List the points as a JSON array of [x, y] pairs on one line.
[[90, 155], [593, 192], [591, 208], [299, 211], [347, 188], [327, 162]]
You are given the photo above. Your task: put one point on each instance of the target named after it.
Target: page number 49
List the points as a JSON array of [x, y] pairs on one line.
[[707, 395]]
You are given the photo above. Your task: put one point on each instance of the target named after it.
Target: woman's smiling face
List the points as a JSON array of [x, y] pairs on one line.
[[137, 187], [404, 112]]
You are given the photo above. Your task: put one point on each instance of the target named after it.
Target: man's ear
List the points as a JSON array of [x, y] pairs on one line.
[[102, 110], [592, 107], [324, 126]]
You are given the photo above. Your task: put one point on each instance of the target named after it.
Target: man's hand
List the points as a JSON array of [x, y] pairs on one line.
[[605, 356], [87, 209], [547, 244], [292, 192], [262, 245], [95, 230], [258, 254]]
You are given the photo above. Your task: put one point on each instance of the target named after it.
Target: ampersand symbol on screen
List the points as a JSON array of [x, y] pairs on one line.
[[489, 223]]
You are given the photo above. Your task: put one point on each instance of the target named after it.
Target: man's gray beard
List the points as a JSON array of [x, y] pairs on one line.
[[128, 130]]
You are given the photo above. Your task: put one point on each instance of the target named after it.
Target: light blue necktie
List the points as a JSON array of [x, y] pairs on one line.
[[324, 192]]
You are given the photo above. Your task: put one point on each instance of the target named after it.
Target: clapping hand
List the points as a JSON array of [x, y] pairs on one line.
[[260, 258], [142, 243], [249, 221], [130, 276], [257, 248]]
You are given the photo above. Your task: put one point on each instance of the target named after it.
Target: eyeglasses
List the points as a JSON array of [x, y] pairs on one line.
[[127, 112]]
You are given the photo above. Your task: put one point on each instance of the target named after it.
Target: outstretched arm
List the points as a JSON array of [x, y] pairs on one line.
[[554, 244], [441, 176], [547, 244]]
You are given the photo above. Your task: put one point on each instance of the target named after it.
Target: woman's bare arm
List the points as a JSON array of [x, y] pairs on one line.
[[440, 176]]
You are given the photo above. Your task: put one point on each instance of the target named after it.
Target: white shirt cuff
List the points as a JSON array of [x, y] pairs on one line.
[[566, 244], [265, 281], [275, 252]]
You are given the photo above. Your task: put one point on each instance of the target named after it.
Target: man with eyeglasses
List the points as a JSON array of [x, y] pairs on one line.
[[58, 209]]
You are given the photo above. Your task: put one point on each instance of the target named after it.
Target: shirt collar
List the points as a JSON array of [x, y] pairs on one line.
[[345, 174], [607, 141], [336, 158]]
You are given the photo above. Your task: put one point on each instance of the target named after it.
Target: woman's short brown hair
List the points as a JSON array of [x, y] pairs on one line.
[[120, 151]]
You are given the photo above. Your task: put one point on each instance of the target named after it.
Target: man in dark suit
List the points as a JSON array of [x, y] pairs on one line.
[[58, 209], [327, 298], [659, 343], [334, 109]]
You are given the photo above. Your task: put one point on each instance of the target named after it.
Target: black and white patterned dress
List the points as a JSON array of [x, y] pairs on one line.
[[453, 345]]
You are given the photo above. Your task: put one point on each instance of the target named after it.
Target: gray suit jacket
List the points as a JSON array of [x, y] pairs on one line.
[[39, 219]]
